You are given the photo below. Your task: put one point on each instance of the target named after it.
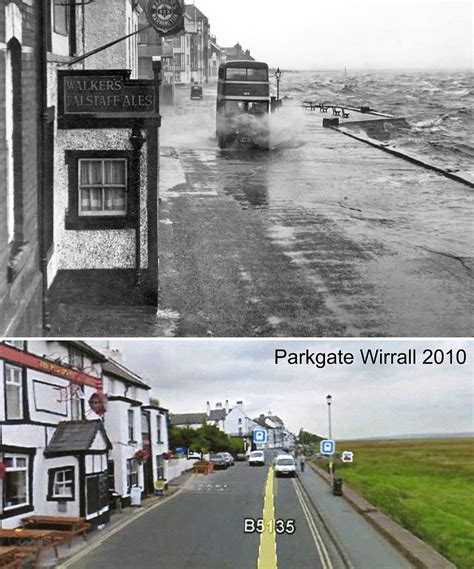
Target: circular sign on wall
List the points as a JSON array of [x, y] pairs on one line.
[[166, 16]]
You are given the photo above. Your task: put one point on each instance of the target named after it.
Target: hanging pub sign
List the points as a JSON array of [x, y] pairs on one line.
[[104, 98], [98, 403], [166, 16]]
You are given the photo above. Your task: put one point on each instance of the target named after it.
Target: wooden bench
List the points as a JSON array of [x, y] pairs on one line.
[[65, 527], [310, 105], [344, 114], [336, 111], [30, 542], [11, 558], [203, 468], [323, 108]]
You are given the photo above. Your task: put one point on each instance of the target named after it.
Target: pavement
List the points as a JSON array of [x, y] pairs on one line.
[[322, 235], [118, 522], [203, 527]]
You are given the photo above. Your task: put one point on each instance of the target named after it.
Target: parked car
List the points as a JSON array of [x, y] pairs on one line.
[[241, 457], [285, 465], [196, 92], [219, 461], [229, 458], [257, 457]]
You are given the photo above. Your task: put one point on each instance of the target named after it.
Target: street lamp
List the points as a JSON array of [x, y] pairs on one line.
[[329, 401], [278, 77]]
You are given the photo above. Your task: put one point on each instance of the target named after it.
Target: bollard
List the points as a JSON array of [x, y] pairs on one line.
[[337, 487]]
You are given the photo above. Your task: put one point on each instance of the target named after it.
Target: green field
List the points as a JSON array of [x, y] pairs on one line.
[[424, 485]]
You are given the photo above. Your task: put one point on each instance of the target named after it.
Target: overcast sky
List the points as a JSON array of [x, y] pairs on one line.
[[312, 34], [368, 400]]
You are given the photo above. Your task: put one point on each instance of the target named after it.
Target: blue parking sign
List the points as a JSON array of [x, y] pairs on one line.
[[260, 436], [328, 447]]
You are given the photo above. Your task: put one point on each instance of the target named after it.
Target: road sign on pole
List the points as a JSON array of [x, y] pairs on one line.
[[328, 447], [347, 456], [260, 436]]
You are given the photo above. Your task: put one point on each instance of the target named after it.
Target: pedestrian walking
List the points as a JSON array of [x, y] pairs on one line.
[[302, 462]]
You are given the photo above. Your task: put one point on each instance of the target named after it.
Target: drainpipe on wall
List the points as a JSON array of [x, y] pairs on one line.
[[42, 40]]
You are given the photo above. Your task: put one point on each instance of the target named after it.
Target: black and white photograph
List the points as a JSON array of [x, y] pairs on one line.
[[236, 169]]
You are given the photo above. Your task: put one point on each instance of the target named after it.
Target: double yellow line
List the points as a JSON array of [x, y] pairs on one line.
[[267, 552], [318, 540]]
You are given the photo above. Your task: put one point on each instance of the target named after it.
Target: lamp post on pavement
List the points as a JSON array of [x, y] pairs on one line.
[[278, 77], [329, 402]]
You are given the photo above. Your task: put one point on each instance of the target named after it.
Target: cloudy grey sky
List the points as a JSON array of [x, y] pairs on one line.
[[312, 34], [368, 400]]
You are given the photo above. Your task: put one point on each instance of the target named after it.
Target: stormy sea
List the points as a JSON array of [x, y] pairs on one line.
[[438, 106]]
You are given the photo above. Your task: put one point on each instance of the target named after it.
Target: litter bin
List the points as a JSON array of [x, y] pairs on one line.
[[135, 496], [337, 487]]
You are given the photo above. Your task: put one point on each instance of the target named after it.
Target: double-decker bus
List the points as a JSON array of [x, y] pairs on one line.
[[243, 103]]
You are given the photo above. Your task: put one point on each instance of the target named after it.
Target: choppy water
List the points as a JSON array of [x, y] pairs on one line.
[[437, 105]]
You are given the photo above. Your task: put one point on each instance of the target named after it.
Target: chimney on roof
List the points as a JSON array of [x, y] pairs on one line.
[[219, 405], [247, 51], [226, 406], [237, 46], [240, 405], [208, 409]]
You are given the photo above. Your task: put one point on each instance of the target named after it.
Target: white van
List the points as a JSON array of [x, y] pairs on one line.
[[257, 457], [285, 465]]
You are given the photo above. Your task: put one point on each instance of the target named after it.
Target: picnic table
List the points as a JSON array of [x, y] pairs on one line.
[[30, 541], [63, 526], [335, 111], [10, 558]]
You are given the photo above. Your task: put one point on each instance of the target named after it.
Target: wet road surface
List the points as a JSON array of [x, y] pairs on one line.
[[320, 236]]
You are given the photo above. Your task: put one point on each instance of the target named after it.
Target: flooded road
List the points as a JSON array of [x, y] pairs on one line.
[[320, 236]]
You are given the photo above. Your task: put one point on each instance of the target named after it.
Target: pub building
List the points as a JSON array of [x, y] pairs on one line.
[[53, 444], [105, 185], [78, 431]]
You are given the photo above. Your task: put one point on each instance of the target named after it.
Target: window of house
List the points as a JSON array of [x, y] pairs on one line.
[[61, 16], [102, 190], [18, 344], [77, 396], [16, 490], [13, 392], [61, 483], [132, 473], [102, 187], [75, 358], [240, 421], [131, 431], [158, 429]]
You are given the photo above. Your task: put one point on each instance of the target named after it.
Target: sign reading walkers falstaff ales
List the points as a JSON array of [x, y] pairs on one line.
[[166, 16], [97, 98]]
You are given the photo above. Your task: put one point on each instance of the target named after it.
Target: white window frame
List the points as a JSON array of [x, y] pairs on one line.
[[17, 468], [63, 483], [131, 425], [17, 381], [103, 186], [18, 344]]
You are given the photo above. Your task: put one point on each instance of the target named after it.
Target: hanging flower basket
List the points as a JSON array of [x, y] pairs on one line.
[[141, 456]]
